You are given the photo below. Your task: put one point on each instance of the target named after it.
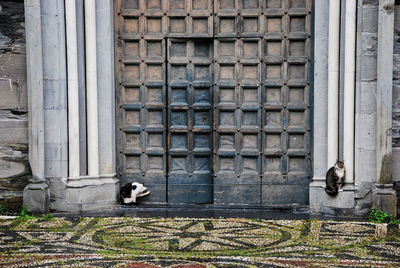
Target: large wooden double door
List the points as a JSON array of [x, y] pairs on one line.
[[213, 99]]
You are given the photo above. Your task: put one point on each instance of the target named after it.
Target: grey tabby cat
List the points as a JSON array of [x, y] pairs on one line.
[[335, 178]]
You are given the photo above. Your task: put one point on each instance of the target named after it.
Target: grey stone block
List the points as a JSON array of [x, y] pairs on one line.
[[362, 189], [367, 131], [11, 168], [369, 42], [93, 194], [397, 188], [56, 126], [396, 66], [384, 198], [9, 94], [99, 206], [396, 164], [365, 172], [368, 67], [370, 2], [56, 168], [321, 202], [14, 166], [73, 196], [13, 78], [396, 42], [13, 128], [396, 129], [63, 206], [91, 198], [54, 98], [36, 197], [13, 66], [363, 206], [397, 18], [396, 119], [53, 151], [58, 187], [396, 96], [370, 19]]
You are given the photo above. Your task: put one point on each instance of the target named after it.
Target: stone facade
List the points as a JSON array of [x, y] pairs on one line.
[[87, 193], [14, 165]]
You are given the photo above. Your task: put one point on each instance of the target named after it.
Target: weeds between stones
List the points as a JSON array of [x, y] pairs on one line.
[[378, 216]]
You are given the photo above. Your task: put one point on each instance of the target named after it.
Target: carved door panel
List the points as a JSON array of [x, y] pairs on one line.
[[190, 121], [286, 163], [238, 121], [141, 91], [262, 139]]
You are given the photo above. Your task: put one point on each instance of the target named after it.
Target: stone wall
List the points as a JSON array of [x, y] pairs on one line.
[[366, 102], [396, 104], [396, 78], [14, 166]]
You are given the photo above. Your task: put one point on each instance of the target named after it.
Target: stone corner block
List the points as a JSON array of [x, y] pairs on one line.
[[321, 202], [91, 197], [384, 198], [36, 197]]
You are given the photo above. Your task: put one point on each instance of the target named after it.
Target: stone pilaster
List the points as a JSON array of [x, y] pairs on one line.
[[384, 196], [36, 193]]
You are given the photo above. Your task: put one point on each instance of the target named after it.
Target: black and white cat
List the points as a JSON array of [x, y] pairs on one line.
[[335, 178], [130, 191]]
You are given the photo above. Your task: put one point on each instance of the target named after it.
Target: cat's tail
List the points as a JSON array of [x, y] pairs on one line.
[[331, 192]]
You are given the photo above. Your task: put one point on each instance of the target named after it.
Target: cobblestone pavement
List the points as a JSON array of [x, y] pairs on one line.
[[182, 242]]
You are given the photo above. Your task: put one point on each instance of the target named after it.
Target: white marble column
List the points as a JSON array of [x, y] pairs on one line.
[[73, 90], [105, 69], [91, 88], [333, 81], [349, 89], [320, 87]]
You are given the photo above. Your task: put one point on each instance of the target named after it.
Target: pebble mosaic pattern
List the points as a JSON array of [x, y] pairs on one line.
[[145, 242]]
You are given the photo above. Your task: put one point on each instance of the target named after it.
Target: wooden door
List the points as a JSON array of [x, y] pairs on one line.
[[190, 120], [213, 102], [262, 138]]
